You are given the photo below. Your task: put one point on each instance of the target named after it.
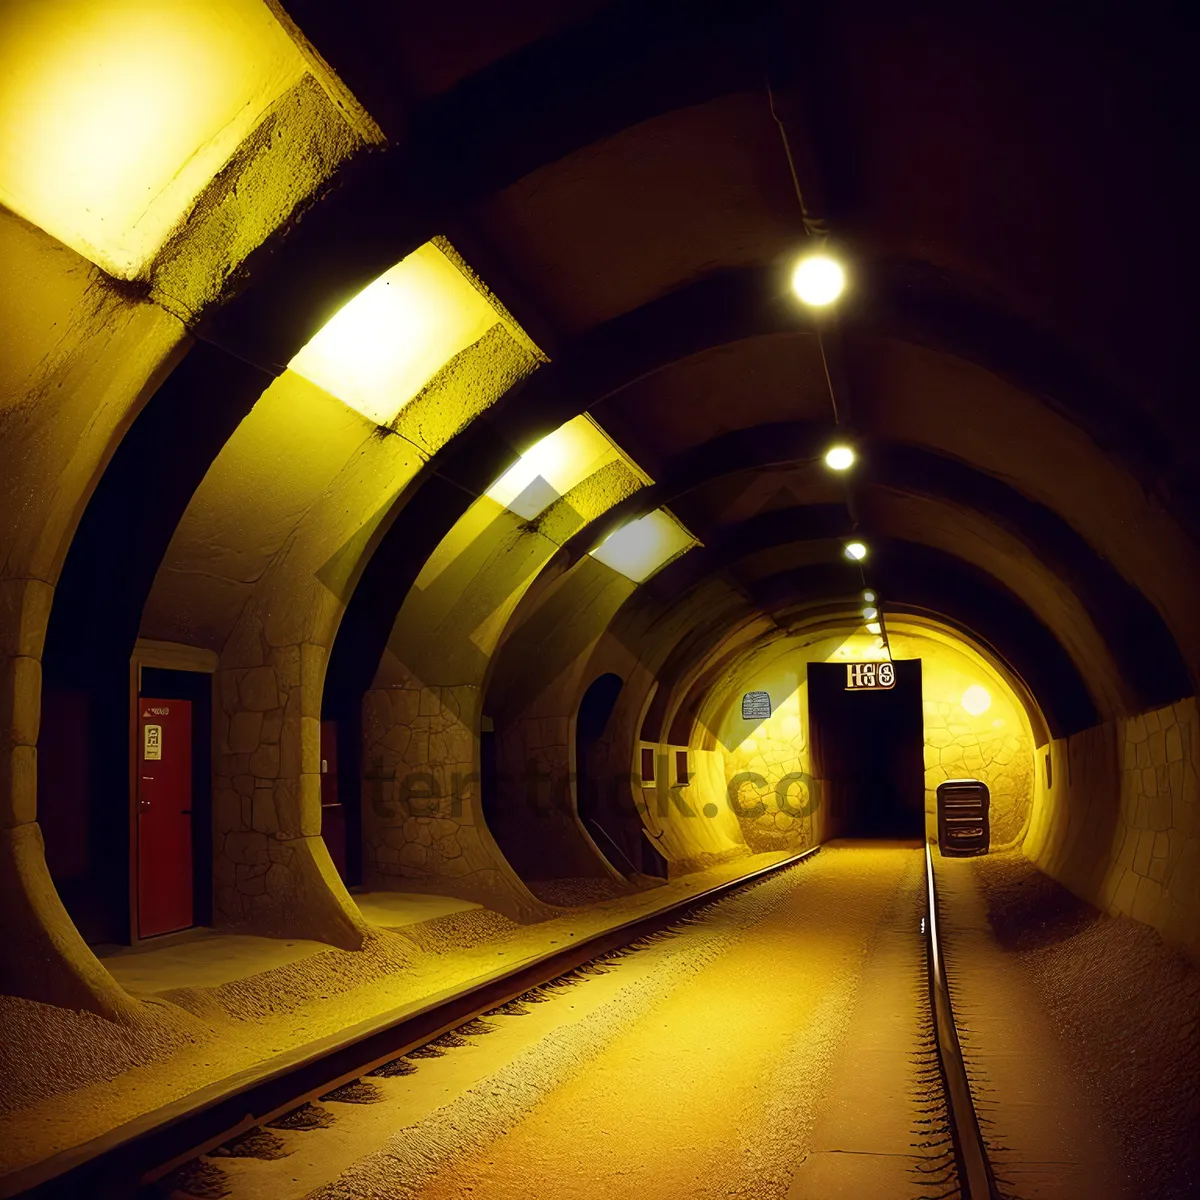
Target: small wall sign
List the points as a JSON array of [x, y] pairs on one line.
[[870, 676], [756, 706], [153, 743]]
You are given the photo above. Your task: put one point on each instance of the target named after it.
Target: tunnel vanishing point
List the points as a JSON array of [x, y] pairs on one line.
[[473, 475]]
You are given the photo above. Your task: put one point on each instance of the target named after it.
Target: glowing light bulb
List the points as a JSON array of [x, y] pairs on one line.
[[869, 596], [856, 551], [976, 700], [870, 613], [839, 458], [818, 280], [874, 627]]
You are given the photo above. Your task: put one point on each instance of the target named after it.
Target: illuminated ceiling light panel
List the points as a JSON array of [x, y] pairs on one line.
[[644, 546], [818, 280], [115, 114], [379, 350], [556, 464]]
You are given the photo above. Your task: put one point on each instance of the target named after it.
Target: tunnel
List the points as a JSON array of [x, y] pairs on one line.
[[536, 520]]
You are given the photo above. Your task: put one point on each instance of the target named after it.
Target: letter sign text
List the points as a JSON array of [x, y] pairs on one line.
[[870, 676]]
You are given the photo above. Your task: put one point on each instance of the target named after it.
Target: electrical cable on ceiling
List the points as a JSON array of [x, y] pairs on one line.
[[817, 228]]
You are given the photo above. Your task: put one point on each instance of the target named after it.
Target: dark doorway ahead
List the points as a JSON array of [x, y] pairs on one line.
[[597, 800], [602, 793], [868, 752]]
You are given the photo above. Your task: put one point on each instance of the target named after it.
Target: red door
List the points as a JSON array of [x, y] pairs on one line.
[[164, 816], [333, 816]]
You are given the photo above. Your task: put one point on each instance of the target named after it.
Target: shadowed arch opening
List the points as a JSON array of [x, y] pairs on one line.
[[603, 794]]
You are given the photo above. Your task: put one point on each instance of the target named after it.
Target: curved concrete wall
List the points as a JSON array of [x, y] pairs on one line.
[[1119, 822]]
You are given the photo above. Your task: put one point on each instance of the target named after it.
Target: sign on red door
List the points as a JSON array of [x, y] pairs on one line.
[[164, 816]]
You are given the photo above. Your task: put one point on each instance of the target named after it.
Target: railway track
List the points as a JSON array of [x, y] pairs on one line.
[[976, 1180], [139, 1158]]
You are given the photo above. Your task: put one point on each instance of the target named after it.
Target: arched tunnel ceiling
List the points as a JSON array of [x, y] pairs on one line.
[[712, 600], [912, 492], [640, 226], [905, 162]]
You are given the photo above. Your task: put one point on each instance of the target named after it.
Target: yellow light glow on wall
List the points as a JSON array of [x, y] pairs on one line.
[[644, 546], [379, 350], [114, 114], [858, 645], [976, 700], [789, 724], [554, 465]]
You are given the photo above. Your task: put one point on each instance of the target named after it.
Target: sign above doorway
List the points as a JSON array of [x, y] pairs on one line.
[[870, 676], [756, 706]]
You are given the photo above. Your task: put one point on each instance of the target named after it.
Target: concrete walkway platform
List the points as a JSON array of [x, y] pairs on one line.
[[204, 958], [395, 910]]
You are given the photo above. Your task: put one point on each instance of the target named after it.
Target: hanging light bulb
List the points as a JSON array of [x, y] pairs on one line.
[[856, 551], [818, 280], [839, 458]]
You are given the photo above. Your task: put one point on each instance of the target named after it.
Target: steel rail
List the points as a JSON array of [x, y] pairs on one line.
[[970, 1153], [122, 1162]]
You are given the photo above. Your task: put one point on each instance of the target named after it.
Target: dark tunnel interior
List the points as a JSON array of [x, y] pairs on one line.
[[678, 523], [867, 751]]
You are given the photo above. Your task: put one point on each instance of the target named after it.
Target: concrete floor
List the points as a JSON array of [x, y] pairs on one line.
[[211, 1037], [709, 1064], [395, 910], [205, 959], [867, 1149], [780, 1048]]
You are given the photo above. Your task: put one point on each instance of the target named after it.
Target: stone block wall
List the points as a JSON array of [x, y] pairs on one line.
[[1120, 823], [768, 784], [423, 829], [272, 872], [960, 746], [1156, 876], [767, 776]]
